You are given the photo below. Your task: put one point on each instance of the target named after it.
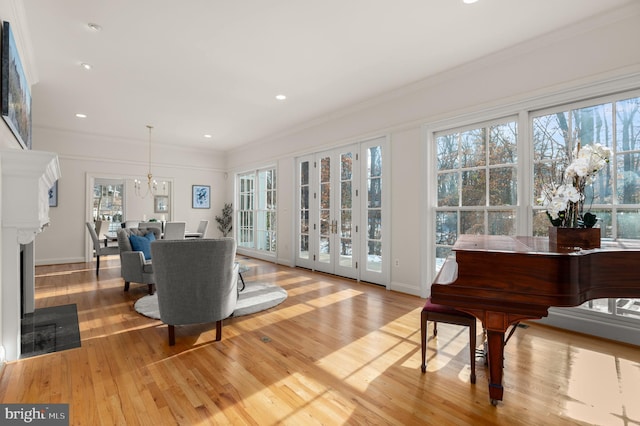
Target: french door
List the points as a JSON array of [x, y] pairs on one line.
[[339, 226]]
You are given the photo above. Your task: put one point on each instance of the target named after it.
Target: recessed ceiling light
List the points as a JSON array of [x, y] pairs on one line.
[[86, 66], [80, 115], [281, 97], [94, 27], [469, 1], [208, 136]]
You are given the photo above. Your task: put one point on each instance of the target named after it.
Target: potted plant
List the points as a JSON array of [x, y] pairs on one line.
[[226, 220], [572, 227]]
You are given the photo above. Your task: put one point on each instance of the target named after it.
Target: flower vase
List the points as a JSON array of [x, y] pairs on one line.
[[572, 238]]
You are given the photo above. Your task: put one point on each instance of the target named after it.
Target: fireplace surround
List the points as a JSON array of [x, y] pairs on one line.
[[26, 178]]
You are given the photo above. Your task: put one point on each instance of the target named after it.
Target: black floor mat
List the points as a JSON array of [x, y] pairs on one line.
[[49, 330]]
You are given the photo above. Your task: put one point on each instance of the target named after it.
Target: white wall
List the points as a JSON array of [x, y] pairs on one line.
[[601, 50], [66, 239]]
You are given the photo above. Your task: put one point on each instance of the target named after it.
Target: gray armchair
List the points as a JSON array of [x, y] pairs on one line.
[[196, 281], [133, 265], [97, 248]]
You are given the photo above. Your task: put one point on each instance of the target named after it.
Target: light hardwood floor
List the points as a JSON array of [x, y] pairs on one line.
[[335, 352]]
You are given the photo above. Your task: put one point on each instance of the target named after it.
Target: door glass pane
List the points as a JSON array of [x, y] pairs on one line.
[[346, 204], [325, 250], [374, 204], [325, 169], [304, 173], [375, 224], [345, 219], [346, 195], [304, 198], [375, 161], [374, 256], [262, 240], [325, 226], [325, 195], [304, 222], [346, 166], [303, 250], [375, 192], [108, 204], [346, 254], [303, 246]]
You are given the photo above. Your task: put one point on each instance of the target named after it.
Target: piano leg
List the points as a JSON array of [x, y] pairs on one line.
[[495, 356]]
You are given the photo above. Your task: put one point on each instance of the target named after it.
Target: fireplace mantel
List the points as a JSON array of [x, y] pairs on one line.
[[26, 179]]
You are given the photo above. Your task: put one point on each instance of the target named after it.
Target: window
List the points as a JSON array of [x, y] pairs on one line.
[[614, 196], [476, 183], [257, 210]]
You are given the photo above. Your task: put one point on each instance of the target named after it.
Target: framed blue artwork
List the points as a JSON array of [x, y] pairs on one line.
[[16, 96], [201, 197], [53, 195]]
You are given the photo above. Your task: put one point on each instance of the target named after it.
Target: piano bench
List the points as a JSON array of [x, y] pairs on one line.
[[449, 315]]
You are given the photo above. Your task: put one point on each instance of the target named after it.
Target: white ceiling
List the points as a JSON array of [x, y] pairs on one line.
[[199, 67]]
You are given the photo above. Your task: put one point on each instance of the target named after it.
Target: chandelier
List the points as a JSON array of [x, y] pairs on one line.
[[152, 185]]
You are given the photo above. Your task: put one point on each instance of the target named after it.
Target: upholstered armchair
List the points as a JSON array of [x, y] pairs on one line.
[[196, 281], [135, 262], [97, 248]]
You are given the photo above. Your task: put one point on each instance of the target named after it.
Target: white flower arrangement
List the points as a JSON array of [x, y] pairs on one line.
[[565, 202]]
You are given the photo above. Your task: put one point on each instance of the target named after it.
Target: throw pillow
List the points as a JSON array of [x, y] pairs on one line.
[[142, 244]]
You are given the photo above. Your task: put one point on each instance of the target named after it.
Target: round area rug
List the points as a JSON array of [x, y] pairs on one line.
[[254, 298]]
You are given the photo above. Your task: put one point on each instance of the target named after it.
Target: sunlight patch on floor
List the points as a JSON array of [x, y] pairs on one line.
[[602, 389], [332, 298], [308, 288]]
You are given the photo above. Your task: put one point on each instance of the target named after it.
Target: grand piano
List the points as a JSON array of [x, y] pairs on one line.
[[502, 280]]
